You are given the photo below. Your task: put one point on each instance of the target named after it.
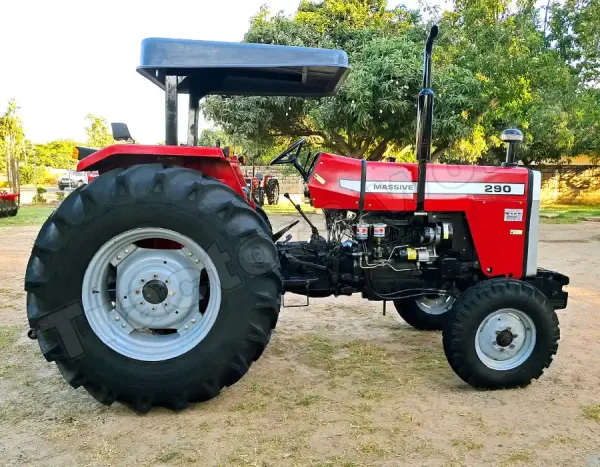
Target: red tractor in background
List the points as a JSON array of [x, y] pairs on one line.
[[10, 200], [160, 282], [263, 186], [9, 203]]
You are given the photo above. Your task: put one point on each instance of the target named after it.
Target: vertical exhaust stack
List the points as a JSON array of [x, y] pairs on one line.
[[425, 120]]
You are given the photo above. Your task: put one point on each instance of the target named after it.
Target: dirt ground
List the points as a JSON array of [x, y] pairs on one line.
[[339, 385]]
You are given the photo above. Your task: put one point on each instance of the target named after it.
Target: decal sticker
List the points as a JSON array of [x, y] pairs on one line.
[[513, 215], [319, 179], [436, 188], [516, 232]]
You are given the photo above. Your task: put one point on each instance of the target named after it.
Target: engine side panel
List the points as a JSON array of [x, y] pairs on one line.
[[495, 200], [210, 161]]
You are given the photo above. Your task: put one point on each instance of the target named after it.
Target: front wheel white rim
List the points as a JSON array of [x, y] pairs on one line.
[[505, 339], [436, 305], [151, 304]]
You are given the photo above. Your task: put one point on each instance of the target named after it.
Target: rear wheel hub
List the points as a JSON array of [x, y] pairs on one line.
[[155, 292], [164, 301]]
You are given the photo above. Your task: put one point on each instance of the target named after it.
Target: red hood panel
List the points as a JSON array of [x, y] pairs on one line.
[[335, 183]]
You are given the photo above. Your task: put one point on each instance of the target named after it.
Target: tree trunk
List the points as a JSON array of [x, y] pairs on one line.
[[439, 151], [379, 151]]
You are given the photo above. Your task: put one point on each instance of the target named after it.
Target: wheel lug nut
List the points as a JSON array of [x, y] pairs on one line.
[[193, 321], [186, 327], [118, 257], [512, 346], [167, 281], [142, 280], [171, 293], [501, 349], [126, 251], [196, 261], [190, 254], [123, 325], [142, 303], [153, 308], [155, 276], [117, 318], [166, 304], [515, 336], [137, 292], [497, 332], [508, 328]]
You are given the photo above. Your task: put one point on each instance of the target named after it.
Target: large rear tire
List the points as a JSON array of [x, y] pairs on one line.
[[180, 207], [501, 333], [272, 190], [425, 313]]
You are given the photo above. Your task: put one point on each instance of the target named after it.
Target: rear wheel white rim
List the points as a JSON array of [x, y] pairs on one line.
[[135, 318], [515, 349], [436, 305]]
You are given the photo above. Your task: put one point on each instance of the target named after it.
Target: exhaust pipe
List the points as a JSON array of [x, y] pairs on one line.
[[425, 121]]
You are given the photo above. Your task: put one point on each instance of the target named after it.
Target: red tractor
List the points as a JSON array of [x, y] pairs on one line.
[[160, 283], [9, 203], [263, 186]]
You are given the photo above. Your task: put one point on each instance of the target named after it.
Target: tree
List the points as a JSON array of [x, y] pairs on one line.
[[494, 67], [375, 109], [11, 142], [58, 153], [527, 83], [98, 134], [575, 28]]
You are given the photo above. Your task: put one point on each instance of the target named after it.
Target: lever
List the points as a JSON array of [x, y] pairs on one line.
[[314, 230], [277, 235]]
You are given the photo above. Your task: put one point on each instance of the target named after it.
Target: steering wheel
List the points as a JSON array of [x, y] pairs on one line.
[[289, 156]]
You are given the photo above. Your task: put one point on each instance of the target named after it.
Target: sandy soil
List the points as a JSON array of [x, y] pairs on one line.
[[340, 385]]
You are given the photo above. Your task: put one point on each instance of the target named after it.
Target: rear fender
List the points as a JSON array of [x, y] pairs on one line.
[[209, 161]]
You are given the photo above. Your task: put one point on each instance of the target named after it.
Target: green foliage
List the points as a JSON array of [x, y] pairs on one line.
[[39, 197], [526, 83], [375, 108], [494, 68], [60, 196], [26, 174], [58, 154], [98, 133], [575, 27]]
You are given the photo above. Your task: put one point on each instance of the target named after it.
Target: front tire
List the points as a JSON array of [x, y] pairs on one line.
[[202, 212], [502, 333], [425, 313]]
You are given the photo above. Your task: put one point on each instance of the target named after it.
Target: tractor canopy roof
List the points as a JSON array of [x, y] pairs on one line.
[[227, 68]]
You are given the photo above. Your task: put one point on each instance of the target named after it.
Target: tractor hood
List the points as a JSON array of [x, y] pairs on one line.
[[389, 186]]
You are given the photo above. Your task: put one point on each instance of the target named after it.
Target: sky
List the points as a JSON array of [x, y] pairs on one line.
[[63, 59]]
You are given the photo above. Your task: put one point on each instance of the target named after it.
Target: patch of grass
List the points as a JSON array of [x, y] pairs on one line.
[[591, 412], [520, 456], [357, 359], [306, 400], [334, 461], [568, 213], [373, 449], [287, 208], [558, 439], [249, 406], [370, 393], [467, 444], [426, 361], [170, 456], [8, 336], [28, 215]]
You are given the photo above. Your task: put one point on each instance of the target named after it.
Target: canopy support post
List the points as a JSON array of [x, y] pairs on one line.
[[193, 117], [171, 83]]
